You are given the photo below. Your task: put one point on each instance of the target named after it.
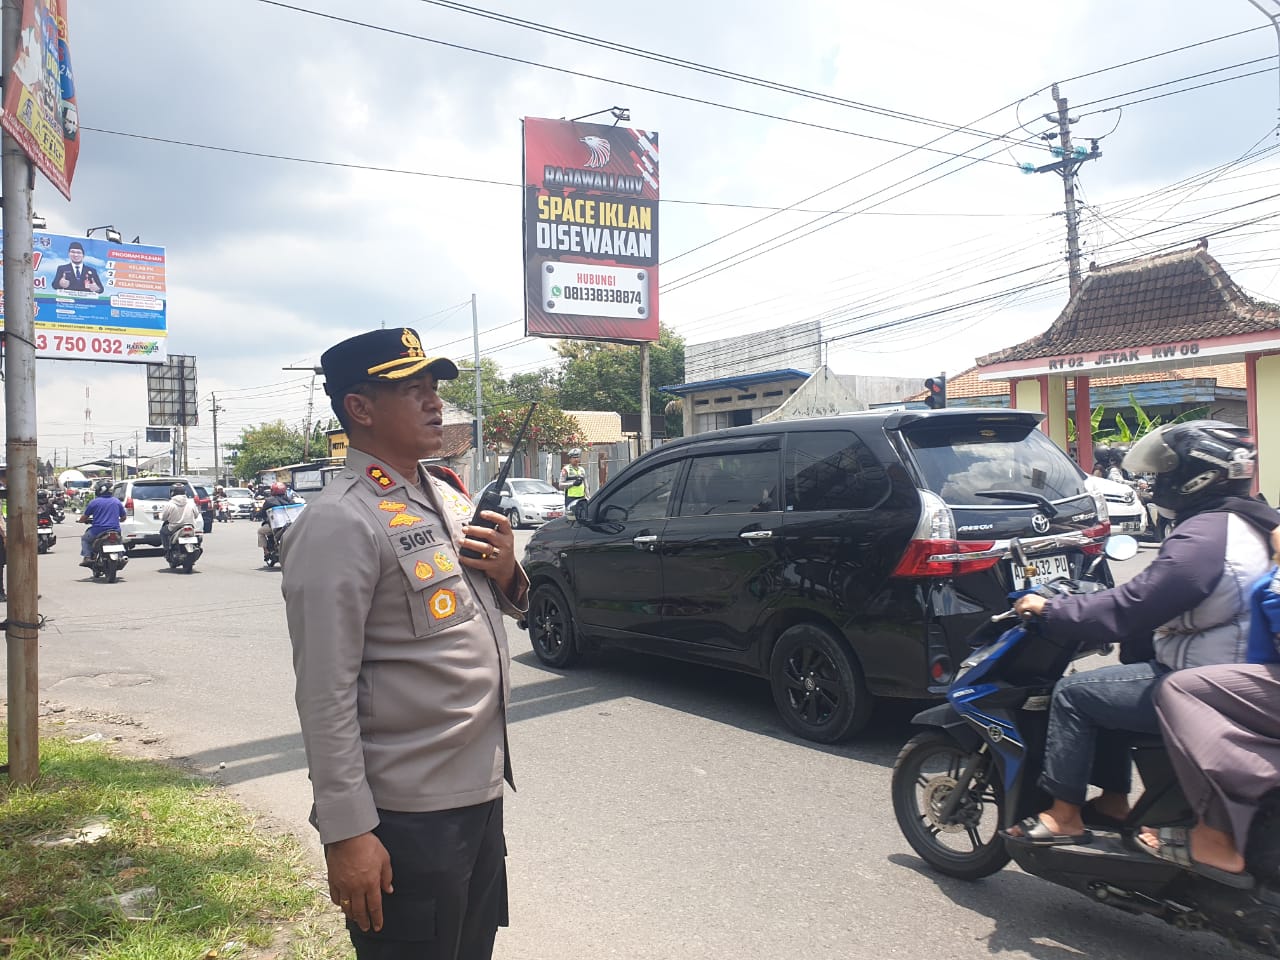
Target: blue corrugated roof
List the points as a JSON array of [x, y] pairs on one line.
[[741, 381]]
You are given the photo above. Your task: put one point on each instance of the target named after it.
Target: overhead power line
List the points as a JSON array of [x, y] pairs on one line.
[[688, 98]]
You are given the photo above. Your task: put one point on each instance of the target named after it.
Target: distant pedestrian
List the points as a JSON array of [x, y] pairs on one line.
[[573, 479], [402, 666]]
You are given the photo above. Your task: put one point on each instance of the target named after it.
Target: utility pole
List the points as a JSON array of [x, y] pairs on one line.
[[475, 347], [17, 183], [306, 437], [646, 427], [217, 469], [1066, 167]]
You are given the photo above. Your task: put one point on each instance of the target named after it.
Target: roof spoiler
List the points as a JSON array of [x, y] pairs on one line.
[[905, 418]]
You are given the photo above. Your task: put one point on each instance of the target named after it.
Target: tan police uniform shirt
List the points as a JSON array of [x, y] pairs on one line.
[[399, 650]]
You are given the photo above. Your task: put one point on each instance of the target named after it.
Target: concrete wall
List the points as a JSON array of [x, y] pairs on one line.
[[796, 346], [759, 399], [873, 390], [1268, 433]]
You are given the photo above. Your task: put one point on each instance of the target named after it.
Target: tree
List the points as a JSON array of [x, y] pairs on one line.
[[462, 391], [266, 445], [606, 376]]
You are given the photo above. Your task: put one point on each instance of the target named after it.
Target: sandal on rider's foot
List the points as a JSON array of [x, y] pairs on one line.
[[1093, 817], [1175, 847], [1036, 834]]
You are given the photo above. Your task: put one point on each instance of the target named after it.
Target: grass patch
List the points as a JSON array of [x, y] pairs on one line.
[[217, 879]]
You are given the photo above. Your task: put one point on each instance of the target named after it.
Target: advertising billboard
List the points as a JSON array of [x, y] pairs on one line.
[[590, 231], [98, 300], [40, 110]]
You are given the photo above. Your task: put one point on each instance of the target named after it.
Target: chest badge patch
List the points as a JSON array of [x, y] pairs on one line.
[[442, 561], [460, 505], [444, 603], [390, 506], [423, 570], [403, 520], [379, 476]]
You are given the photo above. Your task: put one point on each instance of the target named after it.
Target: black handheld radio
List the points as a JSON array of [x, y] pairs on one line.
[[492, 499]]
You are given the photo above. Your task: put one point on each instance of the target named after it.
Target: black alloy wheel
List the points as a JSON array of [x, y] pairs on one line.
[[967, 844], [551, 630], [817, 685]]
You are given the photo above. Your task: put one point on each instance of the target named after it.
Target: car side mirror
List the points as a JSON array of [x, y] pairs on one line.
[[581, 508], [1121, 547]]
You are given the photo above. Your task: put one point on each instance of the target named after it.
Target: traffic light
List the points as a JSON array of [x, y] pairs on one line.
[[937, 387]]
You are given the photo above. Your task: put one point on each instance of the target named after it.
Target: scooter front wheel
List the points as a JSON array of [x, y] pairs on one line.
[[967, 844]]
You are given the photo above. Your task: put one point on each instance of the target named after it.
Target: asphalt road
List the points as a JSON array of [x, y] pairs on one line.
[[663, 810]]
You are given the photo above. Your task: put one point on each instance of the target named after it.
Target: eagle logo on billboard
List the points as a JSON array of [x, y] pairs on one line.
[[599, 148]]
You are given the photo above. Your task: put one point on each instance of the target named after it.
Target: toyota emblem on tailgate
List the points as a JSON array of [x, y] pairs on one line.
[[1040, 523]]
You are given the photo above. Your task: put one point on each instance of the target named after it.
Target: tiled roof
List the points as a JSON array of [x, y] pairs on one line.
[[457, 440], [1164, 298], [599, 426], [1228, 375]]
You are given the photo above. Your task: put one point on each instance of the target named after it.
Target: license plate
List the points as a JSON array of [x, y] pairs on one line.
[[1045, 569], [114, 549], [188, 540], [554, 514]]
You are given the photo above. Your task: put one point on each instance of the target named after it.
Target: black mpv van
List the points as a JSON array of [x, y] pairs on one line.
[[844, 558]]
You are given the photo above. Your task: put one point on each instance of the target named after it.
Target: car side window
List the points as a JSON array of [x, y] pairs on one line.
[[832, 470], [731, 483], [645, 497]]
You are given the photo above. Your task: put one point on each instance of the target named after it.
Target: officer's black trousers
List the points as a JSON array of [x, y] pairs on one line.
[[450, 877]]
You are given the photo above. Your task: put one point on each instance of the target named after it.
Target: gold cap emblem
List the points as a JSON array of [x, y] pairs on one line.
[[412, 343]]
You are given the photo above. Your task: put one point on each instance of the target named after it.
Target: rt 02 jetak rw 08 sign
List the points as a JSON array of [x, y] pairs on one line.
[[98, 300], [590, 231]]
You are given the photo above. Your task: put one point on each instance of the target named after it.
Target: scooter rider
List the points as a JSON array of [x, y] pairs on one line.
[[277, 496], [179, 511], [1188, 608], [573, 479], [103, 513]]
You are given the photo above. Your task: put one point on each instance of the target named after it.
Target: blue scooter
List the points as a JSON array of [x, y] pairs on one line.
[[973, 773]]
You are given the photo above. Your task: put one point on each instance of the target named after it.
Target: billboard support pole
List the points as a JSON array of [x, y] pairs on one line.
[[646, 427], [17, 183]]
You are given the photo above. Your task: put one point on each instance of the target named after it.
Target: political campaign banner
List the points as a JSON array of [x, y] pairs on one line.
[[98, 300], [39, 109], [590, 231]]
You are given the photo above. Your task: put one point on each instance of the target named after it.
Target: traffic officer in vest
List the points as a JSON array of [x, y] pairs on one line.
[[401, 661], [573, 479]]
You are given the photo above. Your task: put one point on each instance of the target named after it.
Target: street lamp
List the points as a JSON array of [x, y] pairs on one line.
[[112, 234]]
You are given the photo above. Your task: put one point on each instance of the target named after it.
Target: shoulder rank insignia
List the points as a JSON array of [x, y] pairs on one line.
[[443, 604], [391, 506], [442, 561], [403, 520], [423, 571], [379, 476]]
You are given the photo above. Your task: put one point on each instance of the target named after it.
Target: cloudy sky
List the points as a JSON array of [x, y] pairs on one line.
[[272, 260]]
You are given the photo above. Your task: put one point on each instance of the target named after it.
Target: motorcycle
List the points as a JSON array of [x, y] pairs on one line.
[[56, 512], [184, 548], [280, 519], [45, 538], [107, 556], [974, 770]]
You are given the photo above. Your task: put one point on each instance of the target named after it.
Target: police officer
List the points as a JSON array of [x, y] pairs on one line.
[[573, 479], [402, 666]]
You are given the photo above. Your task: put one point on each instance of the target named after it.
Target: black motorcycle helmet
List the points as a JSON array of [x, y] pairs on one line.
[[42, 496], [1194, 462], [177, 490], [1102, 455], [103, 489]]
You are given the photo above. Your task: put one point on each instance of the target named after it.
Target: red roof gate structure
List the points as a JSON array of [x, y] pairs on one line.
[[1168, 310]]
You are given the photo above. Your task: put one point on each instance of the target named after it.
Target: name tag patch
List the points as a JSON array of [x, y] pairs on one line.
[[409, 542]]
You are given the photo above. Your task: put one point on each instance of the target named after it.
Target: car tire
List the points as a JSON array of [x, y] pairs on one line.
[[818, 685], [513, 517], [551, 630]]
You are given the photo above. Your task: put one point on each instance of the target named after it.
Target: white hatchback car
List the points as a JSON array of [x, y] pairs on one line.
[[1128, 512], [528, 501]]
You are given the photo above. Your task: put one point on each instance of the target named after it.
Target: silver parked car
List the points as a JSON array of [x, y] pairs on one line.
[[528, 502]]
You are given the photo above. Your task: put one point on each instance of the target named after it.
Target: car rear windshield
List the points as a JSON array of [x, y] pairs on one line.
[[959, 461], [238, 493], [151, 491], [532, 486]]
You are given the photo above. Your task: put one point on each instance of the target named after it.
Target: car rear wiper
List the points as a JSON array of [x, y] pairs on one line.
[[1023, 497]]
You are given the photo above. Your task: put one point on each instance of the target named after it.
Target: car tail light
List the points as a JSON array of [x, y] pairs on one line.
[[1099, 535], [128, 506], [934, 550]]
